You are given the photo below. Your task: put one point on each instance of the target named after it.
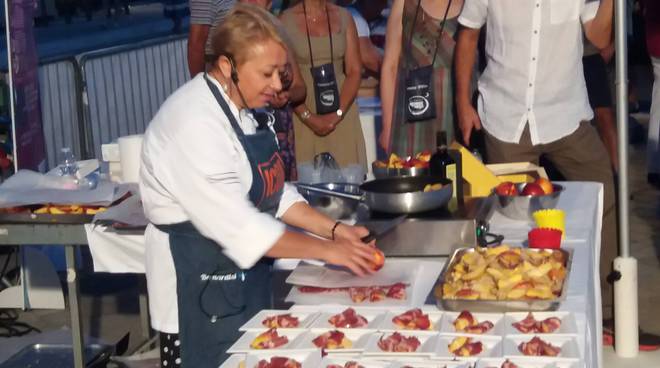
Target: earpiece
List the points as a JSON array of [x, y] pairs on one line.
[[234, 73]]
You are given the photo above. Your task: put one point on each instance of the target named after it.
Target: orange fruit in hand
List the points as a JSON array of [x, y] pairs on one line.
[[378, 260]]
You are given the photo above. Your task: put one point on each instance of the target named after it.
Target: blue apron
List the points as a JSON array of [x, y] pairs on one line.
[[215, 296]]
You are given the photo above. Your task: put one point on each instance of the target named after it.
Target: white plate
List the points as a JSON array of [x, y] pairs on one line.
[[234, 361], [309, 359], [447, 325], [431, 364], [305, 319], [341, 361], [492, 347], [526, 363], [373, 317], [426, 349], [358, 337], [435, 316], [569, 348], [242, 345], [568, 324]]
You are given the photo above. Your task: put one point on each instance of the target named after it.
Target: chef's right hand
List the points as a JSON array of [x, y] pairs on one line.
[[468, 119], [319, 125], [354, 255]]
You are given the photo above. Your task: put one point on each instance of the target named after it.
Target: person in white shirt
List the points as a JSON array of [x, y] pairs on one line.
[[532, 97], [212, 186]]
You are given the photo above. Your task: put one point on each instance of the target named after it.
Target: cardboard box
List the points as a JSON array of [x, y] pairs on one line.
[[480, 179]]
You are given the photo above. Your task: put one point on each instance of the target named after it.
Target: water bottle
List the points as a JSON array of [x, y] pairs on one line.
[[68, 165]]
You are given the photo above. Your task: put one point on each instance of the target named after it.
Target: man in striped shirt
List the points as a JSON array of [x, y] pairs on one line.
[[205, 16]]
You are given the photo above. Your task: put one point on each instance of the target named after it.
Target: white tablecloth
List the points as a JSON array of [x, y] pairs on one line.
[[583, 203]]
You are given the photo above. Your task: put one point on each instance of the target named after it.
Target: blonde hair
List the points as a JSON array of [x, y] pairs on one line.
[[245, 27]]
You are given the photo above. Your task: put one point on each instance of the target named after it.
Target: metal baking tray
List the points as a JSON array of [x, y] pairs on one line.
[[45, 218], [533, 305], [55, 356]]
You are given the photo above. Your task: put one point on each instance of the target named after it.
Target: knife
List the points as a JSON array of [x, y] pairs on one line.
[[384, 229]]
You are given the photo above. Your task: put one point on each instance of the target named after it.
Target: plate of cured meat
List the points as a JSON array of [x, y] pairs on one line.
[[466, 322], [352, 362], [402, 343], [385, 295], [412, 319], [557, 347], [524, 363], [350, 317], [335, 340], [267, 339], [540, 323], [281, 319], [468, 347], [299, 359]]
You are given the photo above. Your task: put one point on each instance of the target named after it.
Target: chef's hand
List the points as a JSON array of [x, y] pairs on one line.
[[354, 255], [280, 99], [319, 125], [384, 140], [352, 233], [468, 119]]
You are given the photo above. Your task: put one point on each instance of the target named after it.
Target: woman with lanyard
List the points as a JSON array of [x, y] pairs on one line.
[[212, 185], [326, 46], [416, 86]]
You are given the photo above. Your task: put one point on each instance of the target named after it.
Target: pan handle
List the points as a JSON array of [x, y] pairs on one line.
[[312, 188]]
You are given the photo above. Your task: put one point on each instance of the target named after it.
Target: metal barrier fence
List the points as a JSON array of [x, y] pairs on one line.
[[98, 96], [124, 86], [60, 108]]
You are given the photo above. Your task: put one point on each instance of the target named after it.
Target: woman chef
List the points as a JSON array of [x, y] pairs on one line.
[[212, 184]]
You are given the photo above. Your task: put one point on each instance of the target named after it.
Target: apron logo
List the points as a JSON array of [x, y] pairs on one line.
[[272, 175], [417, 105], [328, 97], [213, 277]]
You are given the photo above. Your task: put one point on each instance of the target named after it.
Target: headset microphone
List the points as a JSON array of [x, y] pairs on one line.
[[234, 73]]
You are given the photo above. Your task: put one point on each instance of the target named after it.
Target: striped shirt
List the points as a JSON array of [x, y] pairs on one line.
[[211, 13]]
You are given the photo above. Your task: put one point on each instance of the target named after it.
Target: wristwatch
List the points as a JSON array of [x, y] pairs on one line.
[[305, 115], [340, 113]]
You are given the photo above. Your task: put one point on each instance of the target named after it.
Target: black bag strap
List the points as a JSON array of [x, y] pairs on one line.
[[437, 40], [309, 41]]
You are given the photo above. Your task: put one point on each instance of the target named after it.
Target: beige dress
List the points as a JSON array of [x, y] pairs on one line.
[[346, 142]]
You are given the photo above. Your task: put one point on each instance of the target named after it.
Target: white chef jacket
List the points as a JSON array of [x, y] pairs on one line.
[[534, 72], [194, 169]]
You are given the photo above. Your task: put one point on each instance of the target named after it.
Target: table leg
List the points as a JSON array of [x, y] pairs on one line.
[[74, 307]]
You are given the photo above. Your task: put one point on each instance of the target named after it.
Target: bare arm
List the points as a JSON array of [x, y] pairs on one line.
[[464, 59], [371, 58], [196, 44], [599, 29], [389, 69], [298, 90], [348, 250], [352, 66]]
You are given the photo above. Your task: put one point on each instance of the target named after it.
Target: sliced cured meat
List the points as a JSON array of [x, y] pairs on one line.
[[352, 364], [397, 343], [348, 319], [397, 291], [413, 319], [281, 321], [278, 362], [466, 322], [508, 364], [480, 328], [268, 340], [537, 347], [531, 325], [465, 347], [377, 294], [549, 325], [358, 294], [332, 340]]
